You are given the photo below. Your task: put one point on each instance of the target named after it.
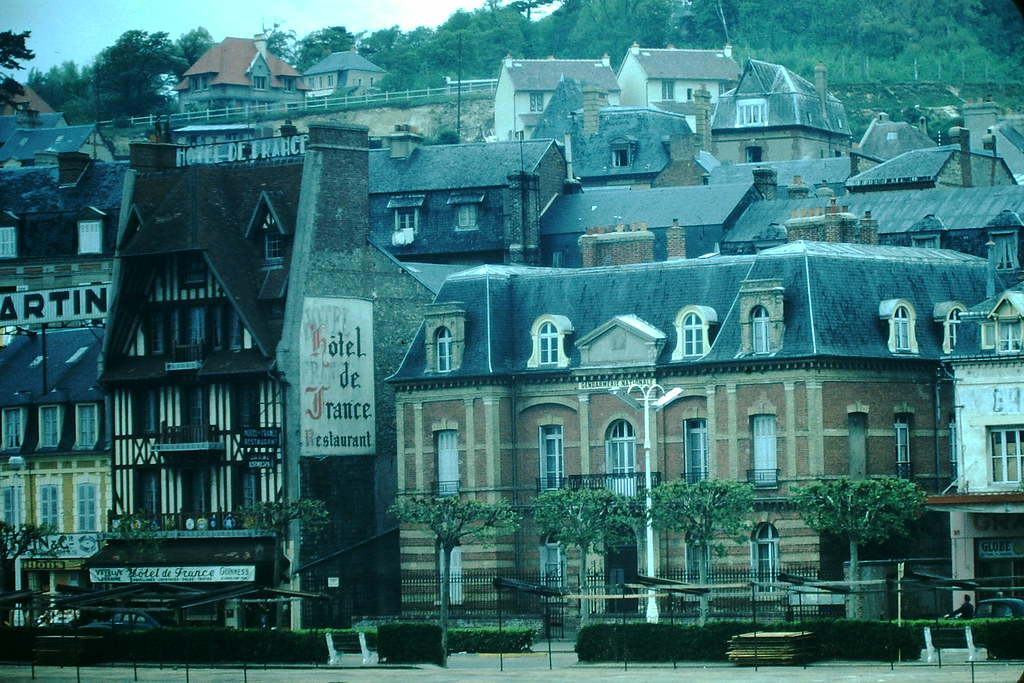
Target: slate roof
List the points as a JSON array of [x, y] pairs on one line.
[[207, 209], [647, 130], [448, 167], [885, 139], [545, 74], [896, 211], [342, 61], [48, 214], [825, 318], [919, 165], [792, 101], [229, 61], [21, 367], [11, 123], [832, 170], [25, 142], [686, 64], [694, 205]]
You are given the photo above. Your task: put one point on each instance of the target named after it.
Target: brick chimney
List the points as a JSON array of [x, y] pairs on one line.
[[522, 234], [625, 245], [675, 240], [404, 141], [766, 181], [154, 156], [260, 41], [702, 123], [962, 136], [71, 166], [821, 85], [868, 229], [798, 190], [593, 100]]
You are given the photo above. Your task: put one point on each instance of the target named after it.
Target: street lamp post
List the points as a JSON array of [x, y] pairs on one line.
[[650, 402]]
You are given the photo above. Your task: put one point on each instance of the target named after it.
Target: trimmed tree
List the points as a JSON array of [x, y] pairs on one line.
[[706, 512], [453, 519], [586, 519], [863, 511]]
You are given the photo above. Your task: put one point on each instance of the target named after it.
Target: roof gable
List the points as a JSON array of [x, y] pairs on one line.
[[685, 64], [545, 74], [230, 62], [342, 61]]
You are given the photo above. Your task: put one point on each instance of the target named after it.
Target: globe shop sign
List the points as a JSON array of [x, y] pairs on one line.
[[242, 150]]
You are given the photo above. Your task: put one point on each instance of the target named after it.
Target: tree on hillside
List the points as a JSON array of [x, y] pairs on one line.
[[67, 89], [453, 520], [319, 44], [281, 43], [589, 520], [706, 512], [12, 53], [134, 75], [190, 47], [862, 511]]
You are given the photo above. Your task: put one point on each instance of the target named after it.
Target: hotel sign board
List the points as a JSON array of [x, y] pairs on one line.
[[181, 574], [242, 150], [68, 304], [336, 377]]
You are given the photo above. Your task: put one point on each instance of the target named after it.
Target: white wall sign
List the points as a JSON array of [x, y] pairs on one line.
[[336, 377], [188, 574], [242, 150], [88, 302], [1005, 398]]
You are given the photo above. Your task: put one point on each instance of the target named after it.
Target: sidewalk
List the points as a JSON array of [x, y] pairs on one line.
[[535, 667]]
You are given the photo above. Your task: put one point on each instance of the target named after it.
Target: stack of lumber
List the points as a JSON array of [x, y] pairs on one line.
[[772, 647]]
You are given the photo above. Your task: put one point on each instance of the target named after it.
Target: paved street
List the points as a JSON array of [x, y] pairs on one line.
[[535, 667]]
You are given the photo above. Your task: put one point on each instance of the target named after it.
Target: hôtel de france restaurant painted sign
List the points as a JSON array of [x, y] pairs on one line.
[[184, 574], [336, 377]]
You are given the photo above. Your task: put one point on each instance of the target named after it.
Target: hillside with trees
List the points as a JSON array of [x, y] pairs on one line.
[[966, 45]]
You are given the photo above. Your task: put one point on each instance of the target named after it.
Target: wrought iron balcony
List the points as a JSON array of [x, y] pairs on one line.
[[448, 487], [903, 470], [186, 438], [627, 484], [187, 356], [199, 522], [693, 476], [763, 478], [550, 482]]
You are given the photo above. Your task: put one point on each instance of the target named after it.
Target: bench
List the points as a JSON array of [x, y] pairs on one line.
[[348, 643], [955, 640]]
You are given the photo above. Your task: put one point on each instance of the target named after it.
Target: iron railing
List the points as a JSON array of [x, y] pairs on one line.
[[449, 487], [694, 475], [763, 478], [222, 520]]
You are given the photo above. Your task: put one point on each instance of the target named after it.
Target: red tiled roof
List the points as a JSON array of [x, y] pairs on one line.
[[229, 61]]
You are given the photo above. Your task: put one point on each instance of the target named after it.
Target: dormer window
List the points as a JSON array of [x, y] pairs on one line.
[[90, 237], [193, 270], [751, 112], [8, 241], [548, 336], [443, 342], [623, 152], [49, 426], [1008, 339], [759, 321], [259, 82], [693, 335], [272, 246], [902, 321], [1005, 251], [200, 82]]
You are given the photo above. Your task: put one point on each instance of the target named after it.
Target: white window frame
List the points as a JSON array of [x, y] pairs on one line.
[[621, 156], [952, 329], [407, 217], [49, 416], [86, 427], [620, 455], [455, 591], [443, 344], [668, 91], [1005, 250], [49, 505], [901, 427], [87, 506], [695, 449], [272, 244], [901, 321], [536, 102], [760, 325], [694, 335], [552, 563], [547, 338], [1006, 465], [466, 216], [448, 475], [13, 508], [751, 112], [765, 461], [764, 555], [551, 445], [13, 428], [8, 241], [1008, 338], [90, 236], [259, 82]]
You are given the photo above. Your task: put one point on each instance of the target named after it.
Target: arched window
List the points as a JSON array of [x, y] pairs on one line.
[[548, 337], [759, 320], [901, 328], [443, 339], [620, 447], [693, 335], [953, 324], [552, 562], [764, 555]]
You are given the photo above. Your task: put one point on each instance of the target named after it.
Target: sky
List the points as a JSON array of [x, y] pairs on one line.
[[78, 30]]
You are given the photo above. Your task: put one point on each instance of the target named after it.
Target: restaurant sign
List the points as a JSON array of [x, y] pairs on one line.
[[186, 574]]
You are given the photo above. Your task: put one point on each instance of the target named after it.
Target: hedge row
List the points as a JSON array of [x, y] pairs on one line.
[[396, 643], [836, 638]]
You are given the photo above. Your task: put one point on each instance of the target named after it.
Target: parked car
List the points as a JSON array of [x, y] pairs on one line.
[[123, 620], [1000, 608]]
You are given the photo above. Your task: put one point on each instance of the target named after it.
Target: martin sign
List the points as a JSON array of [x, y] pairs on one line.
[[54, 305], [242, 150]]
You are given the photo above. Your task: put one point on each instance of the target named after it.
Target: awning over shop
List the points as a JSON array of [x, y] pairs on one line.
[[186, 561], [989, 503]]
